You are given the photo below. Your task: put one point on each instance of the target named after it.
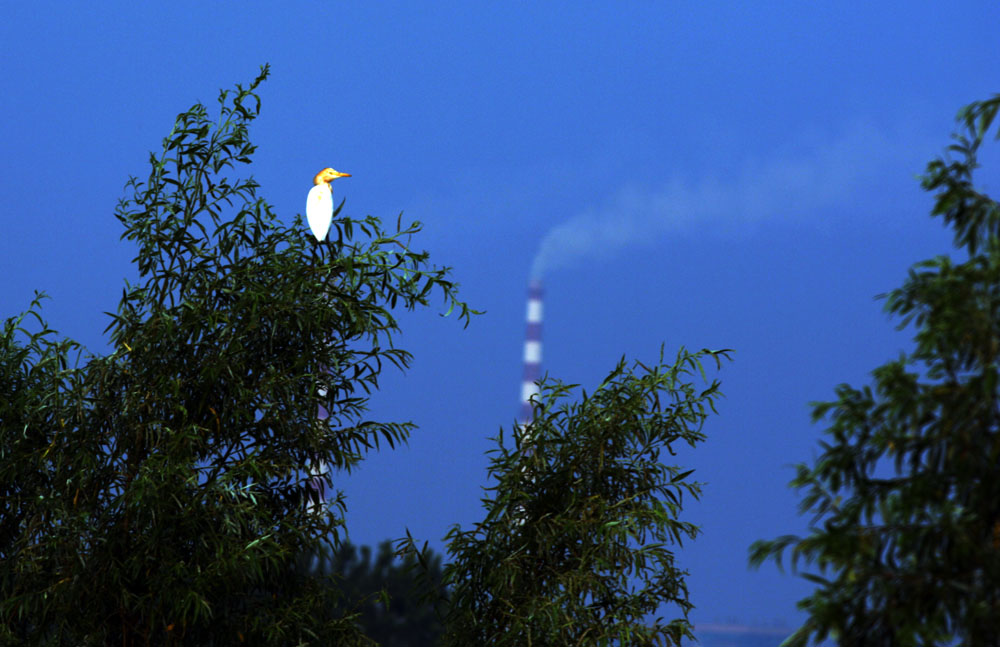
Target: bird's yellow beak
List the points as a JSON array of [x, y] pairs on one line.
[[328, 175]]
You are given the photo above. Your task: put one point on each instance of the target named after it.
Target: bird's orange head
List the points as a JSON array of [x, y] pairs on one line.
[[328, 175]]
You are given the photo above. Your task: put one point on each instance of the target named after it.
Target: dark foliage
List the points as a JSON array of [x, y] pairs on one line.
[[154, 495], [387, 595], [905, 495], [576, 545]]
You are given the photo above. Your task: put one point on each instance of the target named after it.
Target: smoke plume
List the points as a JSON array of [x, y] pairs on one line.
[[795, 186]]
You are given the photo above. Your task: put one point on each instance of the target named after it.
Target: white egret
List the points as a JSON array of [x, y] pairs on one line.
[[319, 204]]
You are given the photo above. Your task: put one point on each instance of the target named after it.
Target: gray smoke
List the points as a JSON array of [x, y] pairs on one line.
[[793, 186]]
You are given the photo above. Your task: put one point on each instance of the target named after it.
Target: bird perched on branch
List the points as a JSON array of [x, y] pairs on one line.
[[319, 204]]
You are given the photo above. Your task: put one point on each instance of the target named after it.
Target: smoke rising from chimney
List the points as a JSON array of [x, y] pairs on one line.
[[826, 174]]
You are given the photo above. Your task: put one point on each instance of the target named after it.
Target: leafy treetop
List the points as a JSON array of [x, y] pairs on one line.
[[154, 495]]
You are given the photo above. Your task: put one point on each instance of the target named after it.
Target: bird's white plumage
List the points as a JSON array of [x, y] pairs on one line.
[[319, 210]]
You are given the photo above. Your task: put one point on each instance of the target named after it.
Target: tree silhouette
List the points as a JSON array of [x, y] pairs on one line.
[[575, 545], [905, 495], [155, 495], [387, 595]]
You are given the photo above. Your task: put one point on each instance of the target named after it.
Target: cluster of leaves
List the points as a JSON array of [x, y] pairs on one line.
[[906, 492], [575, 545], [154, 495]]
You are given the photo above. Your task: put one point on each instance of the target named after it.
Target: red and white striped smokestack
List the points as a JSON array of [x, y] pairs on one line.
[[532, 351], [532, 371]]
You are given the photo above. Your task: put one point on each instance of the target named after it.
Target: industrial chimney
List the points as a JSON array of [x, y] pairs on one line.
[[532, 352]]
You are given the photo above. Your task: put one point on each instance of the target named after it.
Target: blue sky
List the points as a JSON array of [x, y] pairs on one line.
[[691, 173]]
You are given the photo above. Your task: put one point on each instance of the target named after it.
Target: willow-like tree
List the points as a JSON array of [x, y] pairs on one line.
[[154, 495], [577, 545], [905, 495]]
